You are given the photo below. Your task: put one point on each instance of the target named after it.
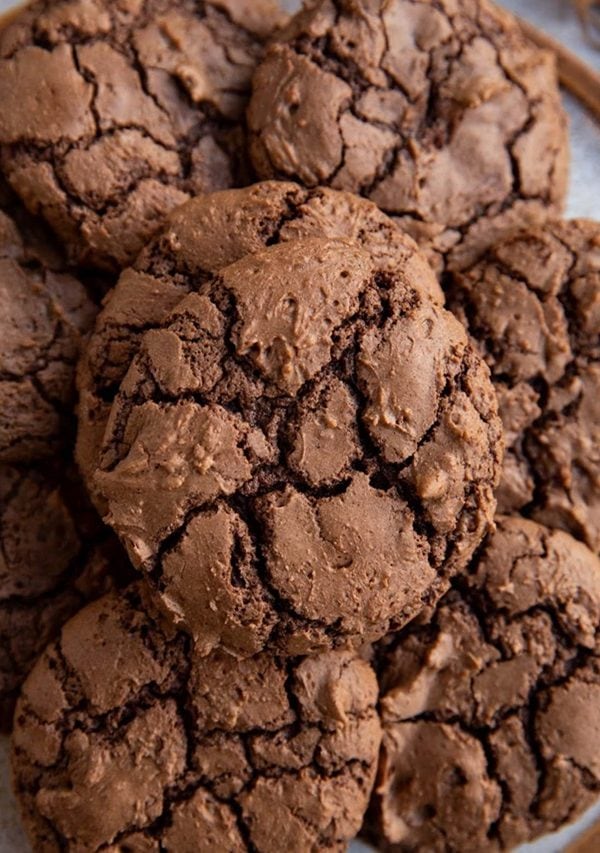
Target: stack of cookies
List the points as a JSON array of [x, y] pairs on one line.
[[333, 483]]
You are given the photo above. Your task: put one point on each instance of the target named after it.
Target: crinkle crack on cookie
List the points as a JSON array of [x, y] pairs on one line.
[[303, 454], [126, 741], [54, 557], [440, 111], [113, 113], [206, 234], [532, 304], [45, 314], [491, 711]]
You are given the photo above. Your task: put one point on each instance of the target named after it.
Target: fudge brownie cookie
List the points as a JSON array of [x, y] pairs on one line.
[[142, 104], [54, 556], [533, 306], [491, 712], [442, 113], [44, 315], [303, 453], [126, 741], [200, 238]]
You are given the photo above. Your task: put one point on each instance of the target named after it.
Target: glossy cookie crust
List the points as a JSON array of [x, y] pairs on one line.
[[303, 453], [124, 740], [532, 304], [209, 233], [490, 711], [142, 106], [442, 113]]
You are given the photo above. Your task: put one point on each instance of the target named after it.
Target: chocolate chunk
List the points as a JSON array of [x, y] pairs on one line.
[[55, 555], [142, 105], [125, 740], [443, 113], [490, 712], [218, 468], [199, 239], [533, 306]]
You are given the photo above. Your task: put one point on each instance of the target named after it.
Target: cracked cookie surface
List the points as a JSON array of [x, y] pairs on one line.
[[55, 555], [124, 740], [206, 234], [532, 304], [490, 712], [142, 106], [45, 315], [439, 111], [303, 454]]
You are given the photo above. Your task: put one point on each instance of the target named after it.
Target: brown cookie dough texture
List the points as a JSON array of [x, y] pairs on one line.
[[54, 556], [206, 234], [491, 713], [44, 315], [304, 452], [440, 112], [124, 740], [141, 106], [533, 306]]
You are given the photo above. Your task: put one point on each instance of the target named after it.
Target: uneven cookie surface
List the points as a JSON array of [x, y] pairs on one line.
[[45, 314], [440, 112], [142, 106], [54, 556], [205, 235], [124, 738], [303, 453], [533, 306], [490, 713]]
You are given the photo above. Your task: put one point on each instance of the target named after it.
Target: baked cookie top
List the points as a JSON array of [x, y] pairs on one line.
[[55, 555], [204, 235], [303, 453], [141, 106], [125, 738], [532, 304], [45, 314], [442, 113], [490, 712]]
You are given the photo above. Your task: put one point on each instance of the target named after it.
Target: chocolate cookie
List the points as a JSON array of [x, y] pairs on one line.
[[304, 452], [491, 711], [45, 313], [533, 306], [125, 741], [199, 239], [54, 556], [442, 113], [142, 106]]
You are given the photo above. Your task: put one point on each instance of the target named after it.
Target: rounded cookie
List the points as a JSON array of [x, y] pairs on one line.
[[491, 713], [45, 314], [142, 106], [533, 305], [124, 740], [54, 556], [442, 113], [200, 238], [304, 452]]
